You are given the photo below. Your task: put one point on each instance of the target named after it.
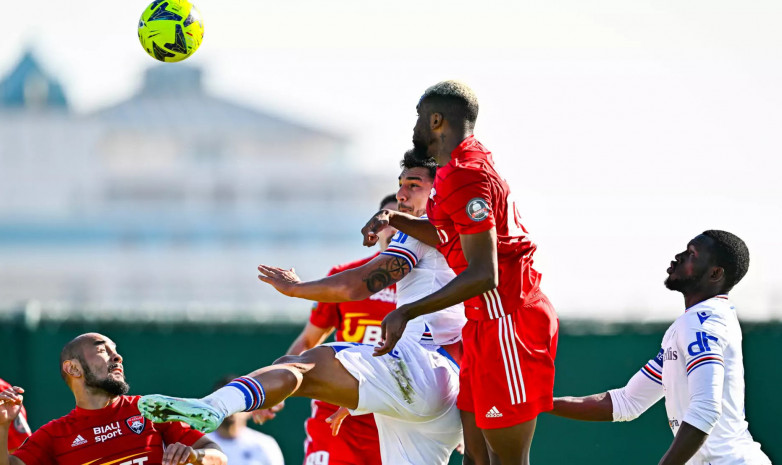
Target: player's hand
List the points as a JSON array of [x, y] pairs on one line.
[[261, 416], [391, 330], [10, 404], [179, 454], [336, 420], [377, 223], [282, 280]]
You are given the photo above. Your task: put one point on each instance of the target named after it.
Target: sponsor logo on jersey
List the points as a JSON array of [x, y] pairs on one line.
[[442, 235], [701, 343], [78, 441], [670, 354], [136, 461], [366, 331], [703, 316], [432, 193], [136, 423], [320, 457], [106, 432], [673, 423], [477, 209], [493, 413]]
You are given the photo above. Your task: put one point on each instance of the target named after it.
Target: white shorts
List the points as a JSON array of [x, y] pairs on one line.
[[412, 392]]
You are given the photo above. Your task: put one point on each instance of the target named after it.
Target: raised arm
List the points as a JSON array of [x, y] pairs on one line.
[[352, 284], [10, 406], [419, 228]]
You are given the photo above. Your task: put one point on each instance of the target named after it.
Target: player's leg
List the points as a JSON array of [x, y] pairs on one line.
[[511, 445], [315, 373], [476, 451]]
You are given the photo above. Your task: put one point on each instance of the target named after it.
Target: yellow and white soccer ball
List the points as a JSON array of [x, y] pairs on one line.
[[170, 30]]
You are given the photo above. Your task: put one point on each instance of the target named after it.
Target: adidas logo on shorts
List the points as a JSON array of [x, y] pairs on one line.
[[493, 413], [78, 441]]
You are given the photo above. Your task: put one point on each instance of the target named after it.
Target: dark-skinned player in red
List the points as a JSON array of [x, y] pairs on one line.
[[510, 339]]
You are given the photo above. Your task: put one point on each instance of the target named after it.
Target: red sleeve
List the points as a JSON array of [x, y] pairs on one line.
[[326, 315], [469, 200], [177, 431], [36, 450]]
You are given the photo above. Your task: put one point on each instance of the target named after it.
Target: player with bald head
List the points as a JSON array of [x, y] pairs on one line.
[[106, 426]]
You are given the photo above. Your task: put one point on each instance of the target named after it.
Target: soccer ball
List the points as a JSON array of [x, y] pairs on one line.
[[170, 30]]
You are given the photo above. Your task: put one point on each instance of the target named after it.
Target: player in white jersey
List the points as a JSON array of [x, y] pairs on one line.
[[699, 369], [412, 390]]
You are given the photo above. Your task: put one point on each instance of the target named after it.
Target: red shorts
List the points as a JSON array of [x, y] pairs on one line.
[[356, 444], [507, 371]]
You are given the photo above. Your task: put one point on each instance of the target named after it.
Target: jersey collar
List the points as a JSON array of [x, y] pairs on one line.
[[719, 296], [470, 148]]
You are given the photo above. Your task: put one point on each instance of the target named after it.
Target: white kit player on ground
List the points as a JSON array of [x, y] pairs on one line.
[[699, 369], [412, 390]]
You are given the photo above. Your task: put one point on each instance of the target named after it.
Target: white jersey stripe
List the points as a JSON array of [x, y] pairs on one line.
[[516, 357], [489, 305], [510, 344], [501, 311], [505, 363]]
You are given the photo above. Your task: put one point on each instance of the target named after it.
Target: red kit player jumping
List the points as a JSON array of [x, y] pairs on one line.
[[510, 339], [106, 426]]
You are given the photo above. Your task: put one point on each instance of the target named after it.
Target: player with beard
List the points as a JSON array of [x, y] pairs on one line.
[[510, 339], [106, 426], [699, 369], [411, 391]]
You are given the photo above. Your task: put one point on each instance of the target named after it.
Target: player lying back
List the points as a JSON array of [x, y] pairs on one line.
[[699, 368], [412, 390]]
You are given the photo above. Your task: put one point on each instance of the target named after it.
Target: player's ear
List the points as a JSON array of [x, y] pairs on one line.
[[717, 273], [72, 368], [436, 120]]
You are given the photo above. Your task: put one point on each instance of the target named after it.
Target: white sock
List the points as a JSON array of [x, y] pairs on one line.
[[227, 400]]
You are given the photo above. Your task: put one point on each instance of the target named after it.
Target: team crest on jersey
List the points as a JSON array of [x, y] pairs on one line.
[[477, 209], [136, 423]]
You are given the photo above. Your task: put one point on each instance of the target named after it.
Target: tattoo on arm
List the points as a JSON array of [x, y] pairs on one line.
[[388, 273]]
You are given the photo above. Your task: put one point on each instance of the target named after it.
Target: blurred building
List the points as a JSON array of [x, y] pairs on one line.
[[167, 200]]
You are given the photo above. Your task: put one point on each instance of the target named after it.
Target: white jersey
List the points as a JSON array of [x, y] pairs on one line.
[[700, 371], [249, 448], [429, 273]]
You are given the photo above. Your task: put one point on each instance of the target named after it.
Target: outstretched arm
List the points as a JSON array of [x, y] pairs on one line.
[[353, 284], [413, 226], [642, 391], [481, 275], [597, 407]]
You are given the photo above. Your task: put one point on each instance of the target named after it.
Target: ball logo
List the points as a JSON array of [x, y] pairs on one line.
[[136, 423], [477, 209]]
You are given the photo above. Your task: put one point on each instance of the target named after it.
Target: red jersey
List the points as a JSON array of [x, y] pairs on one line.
[[357, 321], [116, 434], [470, 197], [20, 431]]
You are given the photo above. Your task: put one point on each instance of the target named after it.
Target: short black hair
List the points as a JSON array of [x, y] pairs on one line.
[[454, 99], [390, 198], [411, 160], [731, 254]]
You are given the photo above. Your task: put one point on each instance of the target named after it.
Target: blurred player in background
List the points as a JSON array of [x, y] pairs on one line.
[[510, 339], [700, 367], [354, 321], [243, 445], [106, 426], [20, 430], [412, 391]]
